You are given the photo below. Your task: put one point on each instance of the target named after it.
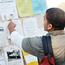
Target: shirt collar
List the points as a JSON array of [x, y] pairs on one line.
[[57, 32]]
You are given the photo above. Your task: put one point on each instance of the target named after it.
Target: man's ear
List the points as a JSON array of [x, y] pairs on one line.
[[49, 27]]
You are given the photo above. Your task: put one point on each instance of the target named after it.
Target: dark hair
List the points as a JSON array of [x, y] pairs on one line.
[[56, 17]]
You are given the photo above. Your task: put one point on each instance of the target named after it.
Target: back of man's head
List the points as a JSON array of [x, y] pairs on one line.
[[56, 17]]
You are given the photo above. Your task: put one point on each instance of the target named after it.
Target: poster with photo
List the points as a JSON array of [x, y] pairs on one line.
[[13, 55]]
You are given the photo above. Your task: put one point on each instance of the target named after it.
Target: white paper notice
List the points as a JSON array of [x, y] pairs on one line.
[[30, 27], [8, 8], [3, 35]]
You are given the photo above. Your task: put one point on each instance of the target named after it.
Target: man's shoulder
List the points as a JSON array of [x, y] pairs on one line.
[[33, 39]]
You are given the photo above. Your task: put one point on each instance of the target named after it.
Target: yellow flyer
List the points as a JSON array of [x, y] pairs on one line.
[[24, 7]]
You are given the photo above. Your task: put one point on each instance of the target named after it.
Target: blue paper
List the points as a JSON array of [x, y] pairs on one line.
[[39, 6]]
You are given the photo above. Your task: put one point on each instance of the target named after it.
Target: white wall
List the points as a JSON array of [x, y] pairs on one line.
[[53, 3]]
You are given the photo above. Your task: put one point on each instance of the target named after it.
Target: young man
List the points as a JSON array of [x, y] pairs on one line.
[[54, 23]]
